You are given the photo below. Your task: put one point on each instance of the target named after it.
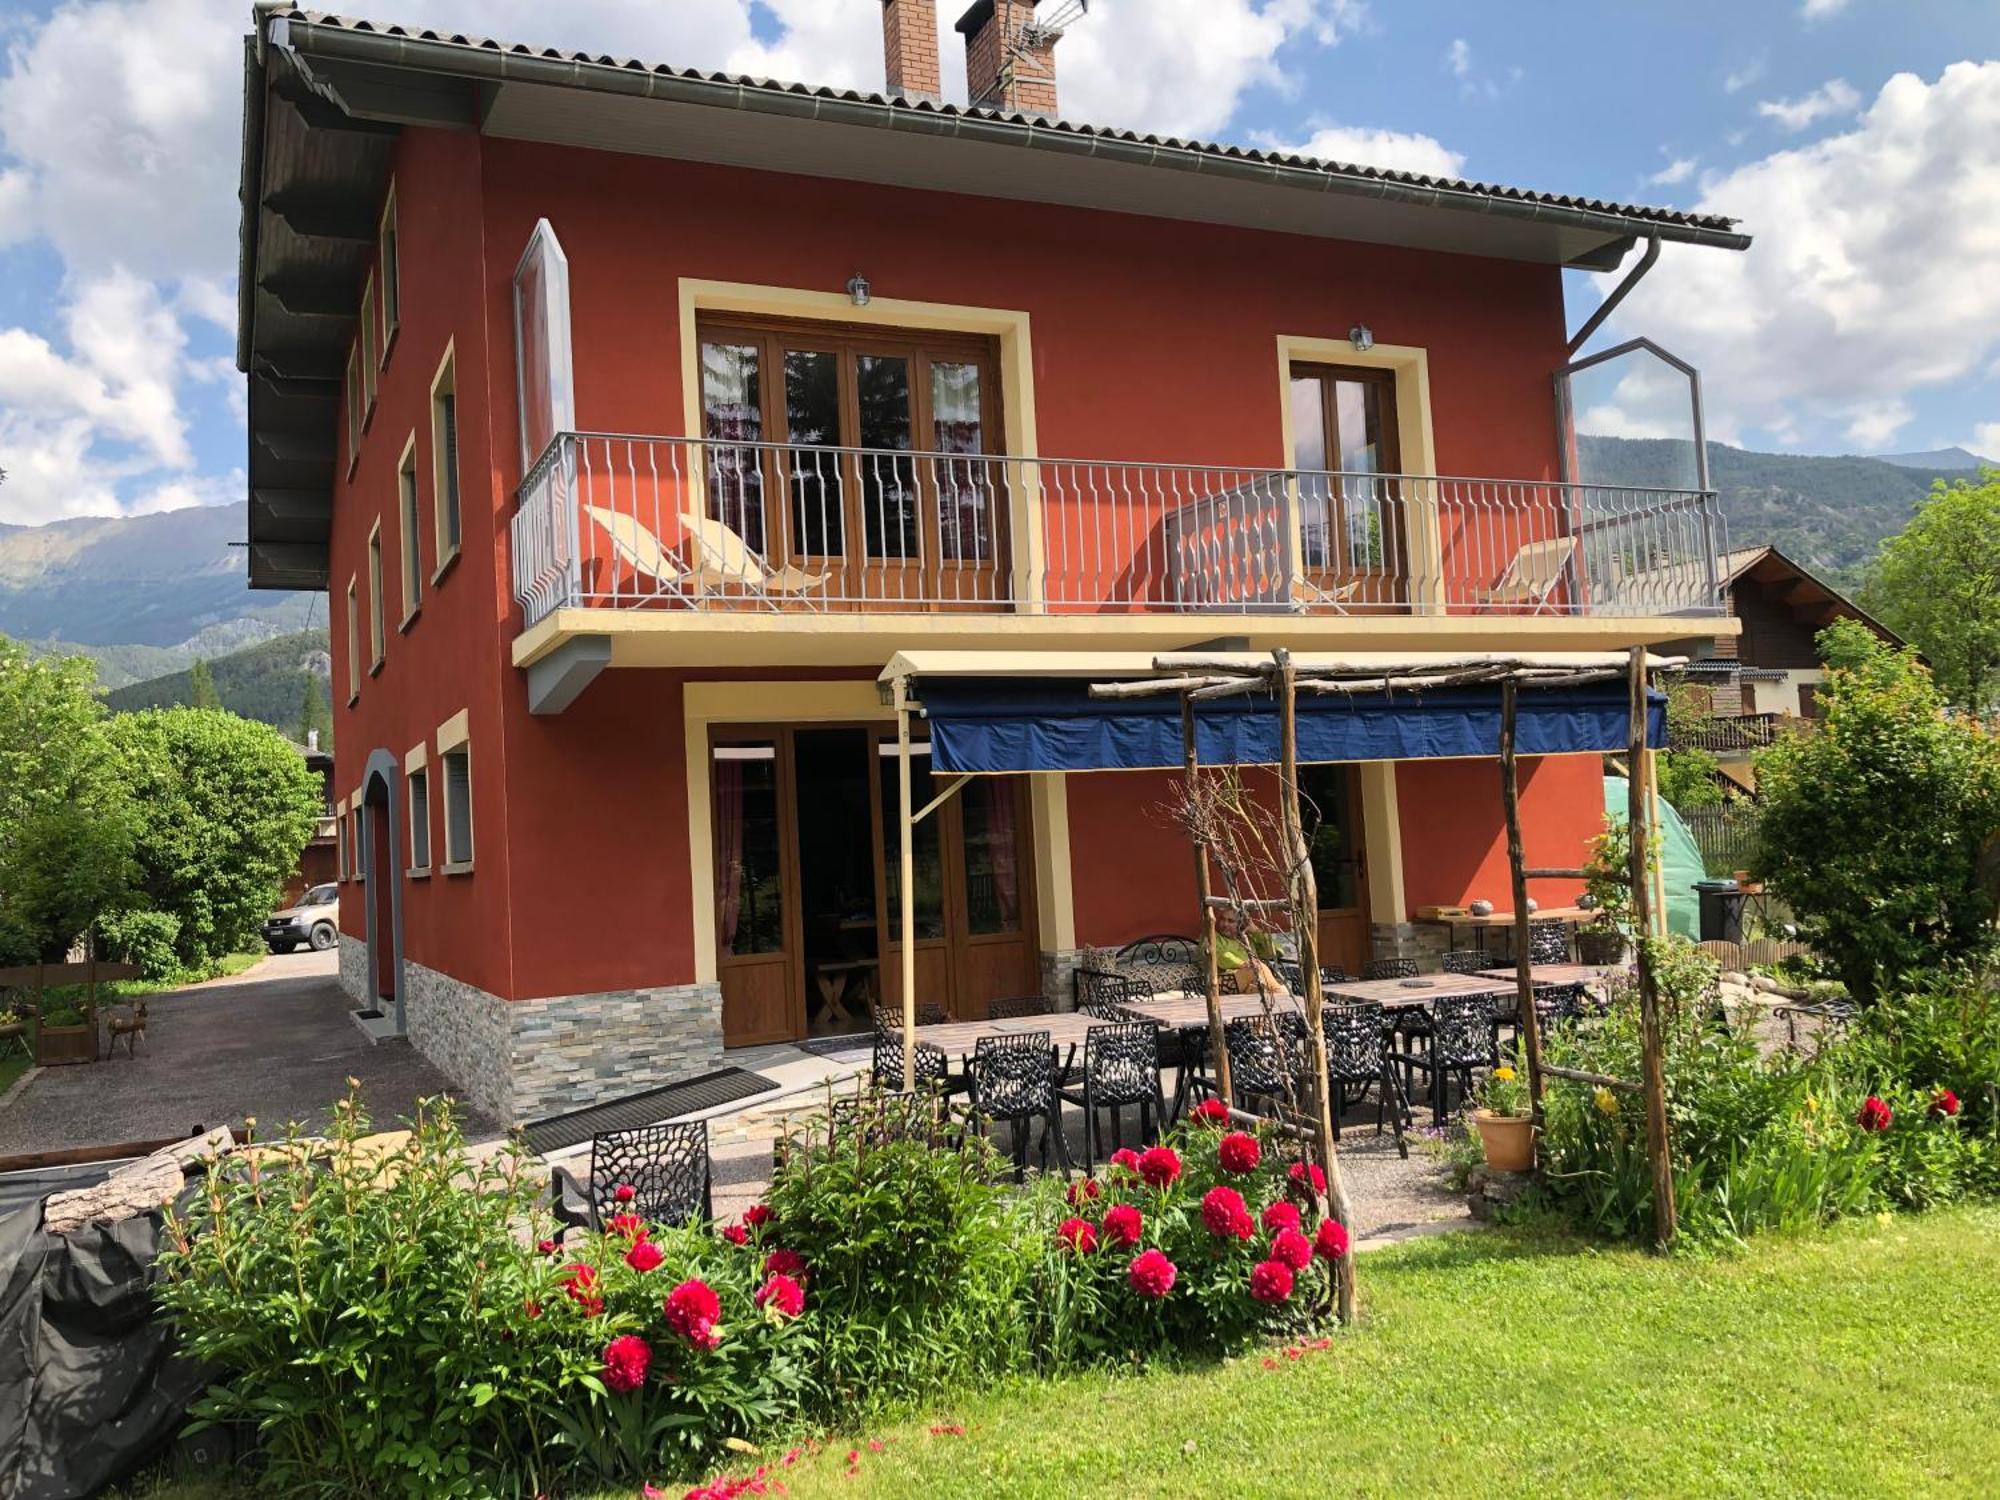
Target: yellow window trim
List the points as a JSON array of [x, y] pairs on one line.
[[378, 617], [1008, 326], [453, 732], [392, 317], [444, 379], [407, 534], [365, 338], [708, 703]]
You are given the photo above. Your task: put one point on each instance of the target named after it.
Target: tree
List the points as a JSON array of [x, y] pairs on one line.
[[224, 805], [201, 686], [1688, 774], [315, 715], [1873, 827], [65, 820], [1937, 584]]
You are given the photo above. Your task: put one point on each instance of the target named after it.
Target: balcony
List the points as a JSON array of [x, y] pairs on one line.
[[692, 526], [1735, 734]]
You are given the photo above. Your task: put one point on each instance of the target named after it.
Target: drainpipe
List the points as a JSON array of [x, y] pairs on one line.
[[1618, 294]]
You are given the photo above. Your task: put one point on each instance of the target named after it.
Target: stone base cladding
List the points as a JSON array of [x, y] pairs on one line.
[[354, 970], [527, 1059], [1423, 941], [1059, 968]]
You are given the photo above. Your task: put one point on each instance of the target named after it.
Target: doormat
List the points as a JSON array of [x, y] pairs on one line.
[[856, 1047], [723, 1086]]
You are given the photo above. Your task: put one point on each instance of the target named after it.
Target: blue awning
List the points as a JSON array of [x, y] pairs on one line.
[[997, 724]]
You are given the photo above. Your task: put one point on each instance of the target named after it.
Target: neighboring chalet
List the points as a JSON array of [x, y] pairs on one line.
[[656, 431], [1762, 680]]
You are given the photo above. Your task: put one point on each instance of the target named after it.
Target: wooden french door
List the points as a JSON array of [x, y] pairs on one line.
[[1351, 535], [919, 521], [1340, 863], [975, 899]]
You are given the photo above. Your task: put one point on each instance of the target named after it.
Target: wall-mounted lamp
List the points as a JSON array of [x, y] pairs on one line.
[[857, 289], [1362, 337]]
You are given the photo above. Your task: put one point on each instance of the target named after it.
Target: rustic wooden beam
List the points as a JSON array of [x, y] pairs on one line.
[[1602, 1080], [1212, 981], [1638, 828], [1526, 1020]]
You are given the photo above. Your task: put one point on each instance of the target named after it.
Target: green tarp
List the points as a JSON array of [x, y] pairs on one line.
[[1680, 859]]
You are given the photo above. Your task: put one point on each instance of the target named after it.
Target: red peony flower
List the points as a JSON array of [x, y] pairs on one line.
[[1125, 1157], [757, 1215], [626, 1226], [548, 1247], [626, 1359], [1238, 1152], [1084, 1191], [1944, 1105], [1304, 1172], [692, 1310], [736, 1234], [532, 1308], [1211, 1111], [580, 1282], [624, 1193], [1223, 1211], [785, 1263], [1159, 1165], [1077, 1235], [782, 1295], [644, 1256], [1281, 1215], [1122, 1224], [1151, 1274], [1292, 1249], [1270, 1281], [1874, 1115], [1330, 1240]]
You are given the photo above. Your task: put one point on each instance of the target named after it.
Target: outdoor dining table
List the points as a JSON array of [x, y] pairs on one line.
[[1560, 973], [959, 1038], [1420, 993], [1189, 1012]]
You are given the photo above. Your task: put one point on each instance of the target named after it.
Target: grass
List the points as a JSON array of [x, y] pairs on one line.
[[12, 1066], [117, 991], [1510, 1363]]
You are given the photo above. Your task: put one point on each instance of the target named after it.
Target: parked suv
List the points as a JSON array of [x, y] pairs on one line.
[[310, 922]]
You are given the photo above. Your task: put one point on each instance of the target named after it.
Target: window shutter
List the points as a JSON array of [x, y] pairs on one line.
[[458, 807], [448, 428], [420, 820]]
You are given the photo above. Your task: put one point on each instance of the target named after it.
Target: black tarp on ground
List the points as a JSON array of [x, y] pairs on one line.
[[90, 1389]]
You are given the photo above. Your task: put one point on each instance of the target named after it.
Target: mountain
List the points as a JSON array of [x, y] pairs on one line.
[[263, 682], [1831, 514], [142, 595], [1938, 458]]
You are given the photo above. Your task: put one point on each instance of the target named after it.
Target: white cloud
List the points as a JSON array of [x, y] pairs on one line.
[[1356, 145], [1834, 97], [1741, 78], [1458, 57], [1819, 10], [1875, 273], [1986, 440], [1678, 170], [1872, 427]]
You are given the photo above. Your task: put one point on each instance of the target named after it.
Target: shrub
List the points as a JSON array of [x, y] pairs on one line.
[[145, 938]]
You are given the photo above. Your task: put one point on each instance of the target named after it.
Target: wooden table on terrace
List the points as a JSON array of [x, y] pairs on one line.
[[1543, 974], [1576, 916], [1419, 993]]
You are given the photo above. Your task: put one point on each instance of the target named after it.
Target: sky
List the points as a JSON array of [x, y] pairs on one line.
[[1859, 140]]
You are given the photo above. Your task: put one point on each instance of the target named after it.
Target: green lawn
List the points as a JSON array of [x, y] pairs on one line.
[[12, 1066], [1859, 1362]]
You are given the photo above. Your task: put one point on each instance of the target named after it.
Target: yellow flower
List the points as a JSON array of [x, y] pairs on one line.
[[1504, 1073], [1605, 1100]]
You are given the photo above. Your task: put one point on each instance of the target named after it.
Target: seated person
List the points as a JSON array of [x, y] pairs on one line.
[[1242, 962]]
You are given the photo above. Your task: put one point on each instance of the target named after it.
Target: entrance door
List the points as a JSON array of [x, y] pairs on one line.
[[382, 894], [757, 939], [1340, 866], [1351, 546], [973, 863]]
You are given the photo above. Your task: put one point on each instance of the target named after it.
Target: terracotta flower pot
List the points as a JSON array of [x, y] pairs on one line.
[[1509, 1140]]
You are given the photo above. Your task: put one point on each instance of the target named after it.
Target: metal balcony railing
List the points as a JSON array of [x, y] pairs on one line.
[[1736, 732], [617, 521]]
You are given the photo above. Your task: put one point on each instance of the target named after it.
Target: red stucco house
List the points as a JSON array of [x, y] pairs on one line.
[[637, 419]]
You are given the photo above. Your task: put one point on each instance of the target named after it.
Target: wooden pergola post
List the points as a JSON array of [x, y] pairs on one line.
[[1639, 826], [1303, 888], [1212, 988], [1528, 1022]]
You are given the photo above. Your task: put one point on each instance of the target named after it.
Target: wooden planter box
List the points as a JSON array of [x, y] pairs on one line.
[[57, 1045]]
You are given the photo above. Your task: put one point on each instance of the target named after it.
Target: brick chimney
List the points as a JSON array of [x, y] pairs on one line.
[[910, 48], [1020, 79]]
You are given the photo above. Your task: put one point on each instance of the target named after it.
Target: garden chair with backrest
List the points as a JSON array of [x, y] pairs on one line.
[[1121, 1070], [724, 561], [1357, 1058], [1014, 1083], [1460, 1039], [665, 1166]]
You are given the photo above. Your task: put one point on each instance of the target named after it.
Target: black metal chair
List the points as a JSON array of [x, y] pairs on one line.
[[666, 1166], [1357, 1057], [1121, 1070], [1389, 968], [1548, 942], [1466, 961], [1096, 989], [1461, 1039], [1013, 1081], [929, 1013], [1293, 973], [1558, 1005], [1017, 1007], [1163, 962], [1266, 1062], [933, 1066]]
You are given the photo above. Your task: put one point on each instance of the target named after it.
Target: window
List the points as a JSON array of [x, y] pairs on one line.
[[829, 387], [357, 838], [353, 409], [444, 463], [366, 340], [542, 344], [353, 641], [1343, 435], [375, 631], [456, 768], [340, 843], [407, 531], [392, 275], [419, 782]]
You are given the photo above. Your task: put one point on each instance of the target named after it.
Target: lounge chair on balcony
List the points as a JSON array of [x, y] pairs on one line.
[[1308, 596], [640, 550], [724, 560], [1533, 574]]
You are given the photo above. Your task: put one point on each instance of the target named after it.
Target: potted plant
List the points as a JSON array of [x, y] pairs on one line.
[[66, 1033], [1505, 1121]]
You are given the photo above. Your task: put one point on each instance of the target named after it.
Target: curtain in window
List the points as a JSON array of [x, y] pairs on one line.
[[729, 845]]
